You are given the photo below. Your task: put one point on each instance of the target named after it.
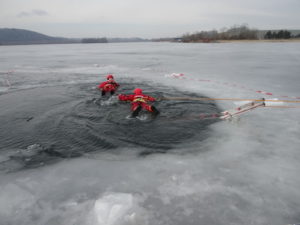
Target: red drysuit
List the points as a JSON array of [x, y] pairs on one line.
[[138, 99], [108, 86]]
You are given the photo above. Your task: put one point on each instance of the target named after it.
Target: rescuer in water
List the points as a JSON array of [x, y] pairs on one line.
[[109, 86], [139, 101]]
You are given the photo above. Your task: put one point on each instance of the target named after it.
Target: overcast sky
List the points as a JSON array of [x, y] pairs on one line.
[[145, 18]]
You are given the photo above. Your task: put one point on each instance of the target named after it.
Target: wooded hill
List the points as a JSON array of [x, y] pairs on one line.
[[10, 36]]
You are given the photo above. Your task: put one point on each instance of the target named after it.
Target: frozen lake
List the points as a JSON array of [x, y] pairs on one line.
[[69, 157]]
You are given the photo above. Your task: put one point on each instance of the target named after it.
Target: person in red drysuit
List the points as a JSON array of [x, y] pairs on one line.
[[108, 86], [139, 101]]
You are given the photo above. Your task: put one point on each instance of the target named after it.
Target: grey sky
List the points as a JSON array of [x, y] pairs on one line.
[[145, 18]]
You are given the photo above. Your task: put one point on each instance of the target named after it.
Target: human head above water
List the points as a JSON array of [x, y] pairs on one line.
[[109, 76], [137, 91]]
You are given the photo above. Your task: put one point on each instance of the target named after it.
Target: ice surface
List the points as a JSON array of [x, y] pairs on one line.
[[245, 172]]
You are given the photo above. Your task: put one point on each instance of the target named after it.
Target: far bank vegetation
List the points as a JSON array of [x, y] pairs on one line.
[[94, 40], [237, 32], [242, 32]]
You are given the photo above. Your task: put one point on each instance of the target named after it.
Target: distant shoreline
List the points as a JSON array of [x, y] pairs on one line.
[[260, 40], [295, 40]]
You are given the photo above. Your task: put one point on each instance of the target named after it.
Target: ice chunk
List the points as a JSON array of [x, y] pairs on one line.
[[116, 208]]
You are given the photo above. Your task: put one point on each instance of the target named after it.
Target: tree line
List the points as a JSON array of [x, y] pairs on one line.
[[242, 32], [94, 40], [282, 34], [237, 32]]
